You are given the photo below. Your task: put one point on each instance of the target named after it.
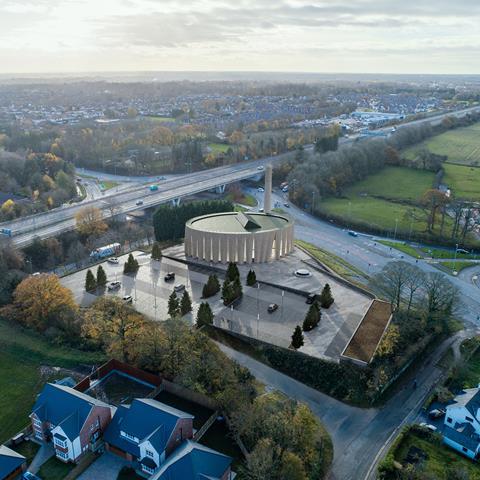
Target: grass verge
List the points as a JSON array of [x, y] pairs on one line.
[[408, 249], [458, 266]]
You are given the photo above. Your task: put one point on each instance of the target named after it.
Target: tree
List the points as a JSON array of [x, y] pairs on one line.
[[156, 251], [227, 292], [391, 281], [251, 278], [38, 297], [101, 277], [204, 315], [212, 287], [90, 282], [292, 467], [389, 341], [185, 304], [261, 462], [312, 318], [232, 272], [173, 305], [326, 298], [442, 297], [297, 338], [89, 221], [131, 265]]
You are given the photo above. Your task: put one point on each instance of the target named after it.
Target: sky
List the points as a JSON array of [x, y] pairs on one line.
[[348, 36]]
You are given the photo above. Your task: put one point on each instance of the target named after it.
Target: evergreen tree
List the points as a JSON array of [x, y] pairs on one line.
[[101, 276], [237, 288], [297, 338], [131, 265], [156, 251], [90, 282], [326, 298], [227, 292], [173, 305], [212, 287], [251, 278], [185, 304], [232, 271], [312, 318], [204, 315]]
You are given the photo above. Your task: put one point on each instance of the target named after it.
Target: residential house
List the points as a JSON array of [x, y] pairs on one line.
[[147, 432], [73, 421], [192, 461], [12, 464], [462, 423]]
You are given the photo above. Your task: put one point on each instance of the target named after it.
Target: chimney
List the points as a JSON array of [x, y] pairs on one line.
[[267, 202]]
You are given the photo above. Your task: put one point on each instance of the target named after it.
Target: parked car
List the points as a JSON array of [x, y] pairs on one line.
[[127, 299], [272, 308], [113, 260], [286, 205], [114, 285], [352, 233], [260, 167], [179, 287], [261, 210], [311, 298], [261, 189], [30, 476], [169, 276], [436, 413], [139, 202], [428, 426]]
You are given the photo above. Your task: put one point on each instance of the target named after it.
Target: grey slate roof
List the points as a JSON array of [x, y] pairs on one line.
[[65, 407], [463, 434], [468, 398], [9, 461]]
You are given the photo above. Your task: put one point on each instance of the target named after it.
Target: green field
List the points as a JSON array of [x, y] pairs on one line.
[[21, 356], [461, 145], [219, 147], [446, 253], [463, 181]]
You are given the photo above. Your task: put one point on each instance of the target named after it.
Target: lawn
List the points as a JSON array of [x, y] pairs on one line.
[[246, 199], [107, 185], [219, 147], [447, 253], [461, 145], [21, 355], [468, 373], [408, 249], [54, 469], [440, 461], [463, 181], [459, 265]]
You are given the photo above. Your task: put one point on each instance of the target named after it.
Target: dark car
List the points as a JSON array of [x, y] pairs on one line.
[[311, 298], [169, 276], [272, 308], [436, 413]]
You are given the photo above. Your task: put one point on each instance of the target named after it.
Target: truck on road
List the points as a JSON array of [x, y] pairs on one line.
[[106, 251]]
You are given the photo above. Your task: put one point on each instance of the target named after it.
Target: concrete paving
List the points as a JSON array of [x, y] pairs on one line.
[[45, 452], [106, 467]]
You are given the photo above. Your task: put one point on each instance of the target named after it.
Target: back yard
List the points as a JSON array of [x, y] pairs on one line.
[[22, 354]]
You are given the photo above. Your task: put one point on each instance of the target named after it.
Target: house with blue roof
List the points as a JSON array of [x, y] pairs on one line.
[[12, 464], [192, 461], [73, 421], [147, 432]]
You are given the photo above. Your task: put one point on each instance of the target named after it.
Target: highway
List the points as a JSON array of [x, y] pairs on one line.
[[120, 201]]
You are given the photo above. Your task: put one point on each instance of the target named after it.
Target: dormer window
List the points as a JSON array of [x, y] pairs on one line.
[[129, 437]]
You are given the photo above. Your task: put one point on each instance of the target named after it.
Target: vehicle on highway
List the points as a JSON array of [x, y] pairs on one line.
[[272, 308], [436, 413], [311, 298], [113, 260], [179, 287], [139, 202], [260, 167], [428, 426], [303, 272], [169, 276], [261, 189], [114, 285], [286, 205], [6, 231], [462, 250], [127, 299], [153, 188], [353, 233], [30, 476], [106, 251], [261, 210], [162, 178]]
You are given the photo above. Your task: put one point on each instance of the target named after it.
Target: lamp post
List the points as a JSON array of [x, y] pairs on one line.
[[455, 258], [258, 299], [395, 233], [258, 323], [281, 317]]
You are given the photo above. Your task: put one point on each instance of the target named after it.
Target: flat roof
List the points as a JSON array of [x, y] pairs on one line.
[[237, 222]]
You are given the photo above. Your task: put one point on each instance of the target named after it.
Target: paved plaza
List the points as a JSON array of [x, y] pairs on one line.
[[250, 315]]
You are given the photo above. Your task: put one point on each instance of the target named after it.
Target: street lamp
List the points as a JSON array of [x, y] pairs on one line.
[[258, 299], [455, 258], [258, 323], [283, 294], [396, 225]]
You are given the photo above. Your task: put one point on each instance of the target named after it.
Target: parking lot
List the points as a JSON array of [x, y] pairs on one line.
[[250, 315]]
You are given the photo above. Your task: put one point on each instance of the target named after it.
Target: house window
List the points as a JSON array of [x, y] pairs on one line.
[[60, 443], [148, 453], [37, 423], [449, 420], [148, 469], [469, 419], [61, 454]]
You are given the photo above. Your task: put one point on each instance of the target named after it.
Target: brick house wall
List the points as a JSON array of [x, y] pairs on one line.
[[36, 429], [183, 431], [103, 416]]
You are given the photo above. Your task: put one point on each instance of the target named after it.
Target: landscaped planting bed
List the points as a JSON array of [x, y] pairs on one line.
[[367, 336]]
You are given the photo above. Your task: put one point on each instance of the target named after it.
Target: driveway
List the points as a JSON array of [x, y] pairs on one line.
[[106, 467]]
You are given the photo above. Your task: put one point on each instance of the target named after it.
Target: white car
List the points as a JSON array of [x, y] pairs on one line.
[[113, 260], [179, 287], [260, 167], [428, 426], [261, 189], [127, 299], [114, 285]]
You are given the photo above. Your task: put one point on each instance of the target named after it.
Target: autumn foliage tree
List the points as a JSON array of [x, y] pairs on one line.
[[38, 297], [89, 222]]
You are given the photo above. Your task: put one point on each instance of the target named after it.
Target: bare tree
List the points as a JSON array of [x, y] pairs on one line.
[[441, 296], [392, 280]]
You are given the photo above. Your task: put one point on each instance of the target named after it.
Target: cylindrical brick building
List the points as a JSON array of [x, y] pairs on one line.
[[239, 237]]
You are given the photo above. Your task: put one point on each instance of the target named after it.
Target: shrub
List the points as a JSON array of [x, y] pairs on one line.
[[156, 251], [251, 278], [326, 298], [311, 318]]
